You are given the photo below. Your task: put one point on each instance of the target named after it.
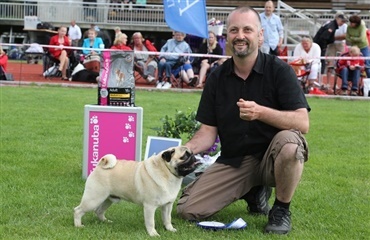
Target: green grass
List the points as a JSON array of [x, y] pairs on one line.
[[41, 145]]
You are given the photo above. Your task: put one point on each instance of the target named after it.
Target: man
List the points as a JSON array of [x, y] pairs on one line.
[[167, 63], [326, 35], [117, 30], [339, 43], [273, 30], [145, 64], [309, 51], [254, 104], [74, 33]]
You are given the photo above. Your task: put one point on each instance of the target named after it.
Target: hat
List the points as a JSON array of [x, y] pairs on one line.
[[342, 17]]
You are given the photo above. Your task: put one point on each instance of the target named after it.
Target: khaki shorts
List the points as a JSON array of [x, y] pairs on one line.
[[221, 185]]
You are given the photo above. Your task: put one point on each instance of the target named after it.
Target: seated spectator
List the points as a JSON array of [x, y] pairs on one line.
[[167, 63], [357, 36], [145, 64], [209, 46], [309, 51], [350, 69], [59, 53], [92, 41], [3, 63], [120, 42]]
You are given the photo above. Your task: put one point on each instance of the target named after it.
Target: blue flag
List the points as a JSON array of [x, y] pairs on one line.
[[187, 16]]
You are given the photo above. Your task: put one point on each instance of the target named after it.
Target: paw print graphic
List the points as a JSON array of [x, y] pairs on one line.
[[131, 134], [127, 126], [131, 118], [94, 120], [125, 140]]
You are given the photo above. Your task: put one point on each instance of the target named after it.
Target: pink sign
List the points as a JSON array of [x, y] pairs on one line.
[[111, 132]]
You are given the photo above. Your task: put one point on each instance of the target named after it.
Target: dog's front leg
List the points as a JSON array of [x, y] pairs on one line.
[[166, 216], [149, 211]]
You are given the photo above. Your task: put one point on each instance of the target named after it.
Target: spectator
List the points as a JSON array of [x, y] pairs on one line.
[[273, 30], [3, 58], [356, 36], [94, 26], [209, 46], [351, 69], [59, 53], [254, 104], [326, 35], [339, 43], [117, 30], [74, 33], [92, 41], [120, 42], [309, 51], [3, 63], [167, 63], [140, 3], [145, 64]]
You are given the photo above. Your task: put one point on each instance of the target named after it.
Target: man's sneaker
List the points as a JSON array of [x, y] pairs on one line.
[[150, 78], [258, 202], [279, 221], [166, 85], [159, 85]]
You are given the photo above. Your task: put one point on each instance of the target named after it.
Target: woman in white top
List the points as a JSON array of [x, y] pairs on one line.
[[309, 52]]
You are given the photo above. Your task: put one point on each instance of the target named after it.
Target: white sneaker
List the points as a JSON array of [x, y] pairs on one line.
[[167, 85], [150, 78], [159, 85]]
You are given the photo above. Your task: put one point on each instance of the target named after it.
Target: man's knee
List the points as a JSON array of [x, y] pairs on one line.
[[292, 145], [184, 212]]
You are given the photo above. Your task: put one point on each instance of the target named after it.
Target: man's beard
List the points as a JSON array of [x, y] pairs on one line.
[[241, 53]]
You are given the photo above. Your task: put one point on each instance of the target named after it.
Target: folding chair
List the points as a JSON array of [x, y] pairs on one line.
[[302, 70], [338, 76]]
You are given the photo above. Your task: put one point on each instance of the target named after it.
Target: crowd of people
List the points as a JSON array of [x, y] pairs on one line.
[[174, 63]]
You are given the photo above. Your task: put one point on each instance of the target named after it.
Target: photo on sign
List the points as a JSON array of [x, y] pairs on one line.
[[155, 145]]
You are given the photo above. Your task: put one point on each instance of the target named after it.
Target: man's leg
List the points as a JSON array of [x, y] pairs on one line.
[[217, 187], [288, 151], [257, 199]]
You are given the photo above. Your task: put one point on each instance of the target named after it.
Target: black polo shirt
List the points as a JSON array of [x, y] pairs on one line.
[[271, 83]]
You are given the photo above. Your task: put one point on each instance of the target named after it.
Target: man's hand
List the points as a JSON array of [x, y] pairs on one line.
[[249, 110]]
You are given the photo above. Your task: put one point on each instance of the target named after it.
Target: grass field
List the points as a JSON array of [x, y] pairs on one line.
[[41, 141]]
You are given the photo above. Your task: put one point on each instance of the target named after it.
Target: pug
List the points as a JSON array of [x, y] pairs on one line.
[[152, 183]]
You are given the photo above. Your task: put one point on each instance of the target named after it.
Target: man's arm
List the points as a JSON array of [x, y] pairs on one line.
[[203, 139], [297, 119]]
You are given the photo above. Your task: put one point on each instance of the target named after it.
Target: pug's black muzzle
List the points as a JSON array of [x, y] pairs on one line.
[[188, 165]]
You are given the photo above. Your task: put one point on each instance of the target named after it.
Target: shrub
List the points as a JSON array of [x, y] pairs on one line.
[[184, 126]]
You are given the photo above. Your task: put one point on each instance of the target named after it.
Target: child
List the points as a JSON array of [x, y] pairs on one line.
[[350, 69]]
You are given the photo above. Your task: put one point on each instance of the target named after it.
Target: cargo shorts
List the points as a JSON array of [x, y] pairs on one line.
[[220, 184]]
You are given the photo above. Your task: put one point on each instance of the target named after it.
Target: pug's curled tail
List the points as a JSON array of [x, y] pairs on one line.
[[108, 161]]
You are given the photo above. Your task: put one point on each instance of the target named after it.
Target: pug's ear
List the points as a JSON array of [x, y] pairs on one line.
[[167, 155]]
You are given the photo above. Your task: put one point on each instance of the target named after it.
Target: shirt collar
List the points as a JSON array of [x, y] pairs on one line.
[[258, 66]]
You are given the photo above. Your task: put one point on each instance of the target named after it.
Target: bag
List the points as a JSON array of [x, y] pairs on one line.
[[5, 76], [52, 72], [366, 88], [44, 26], [180, 61], [283, 53]]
